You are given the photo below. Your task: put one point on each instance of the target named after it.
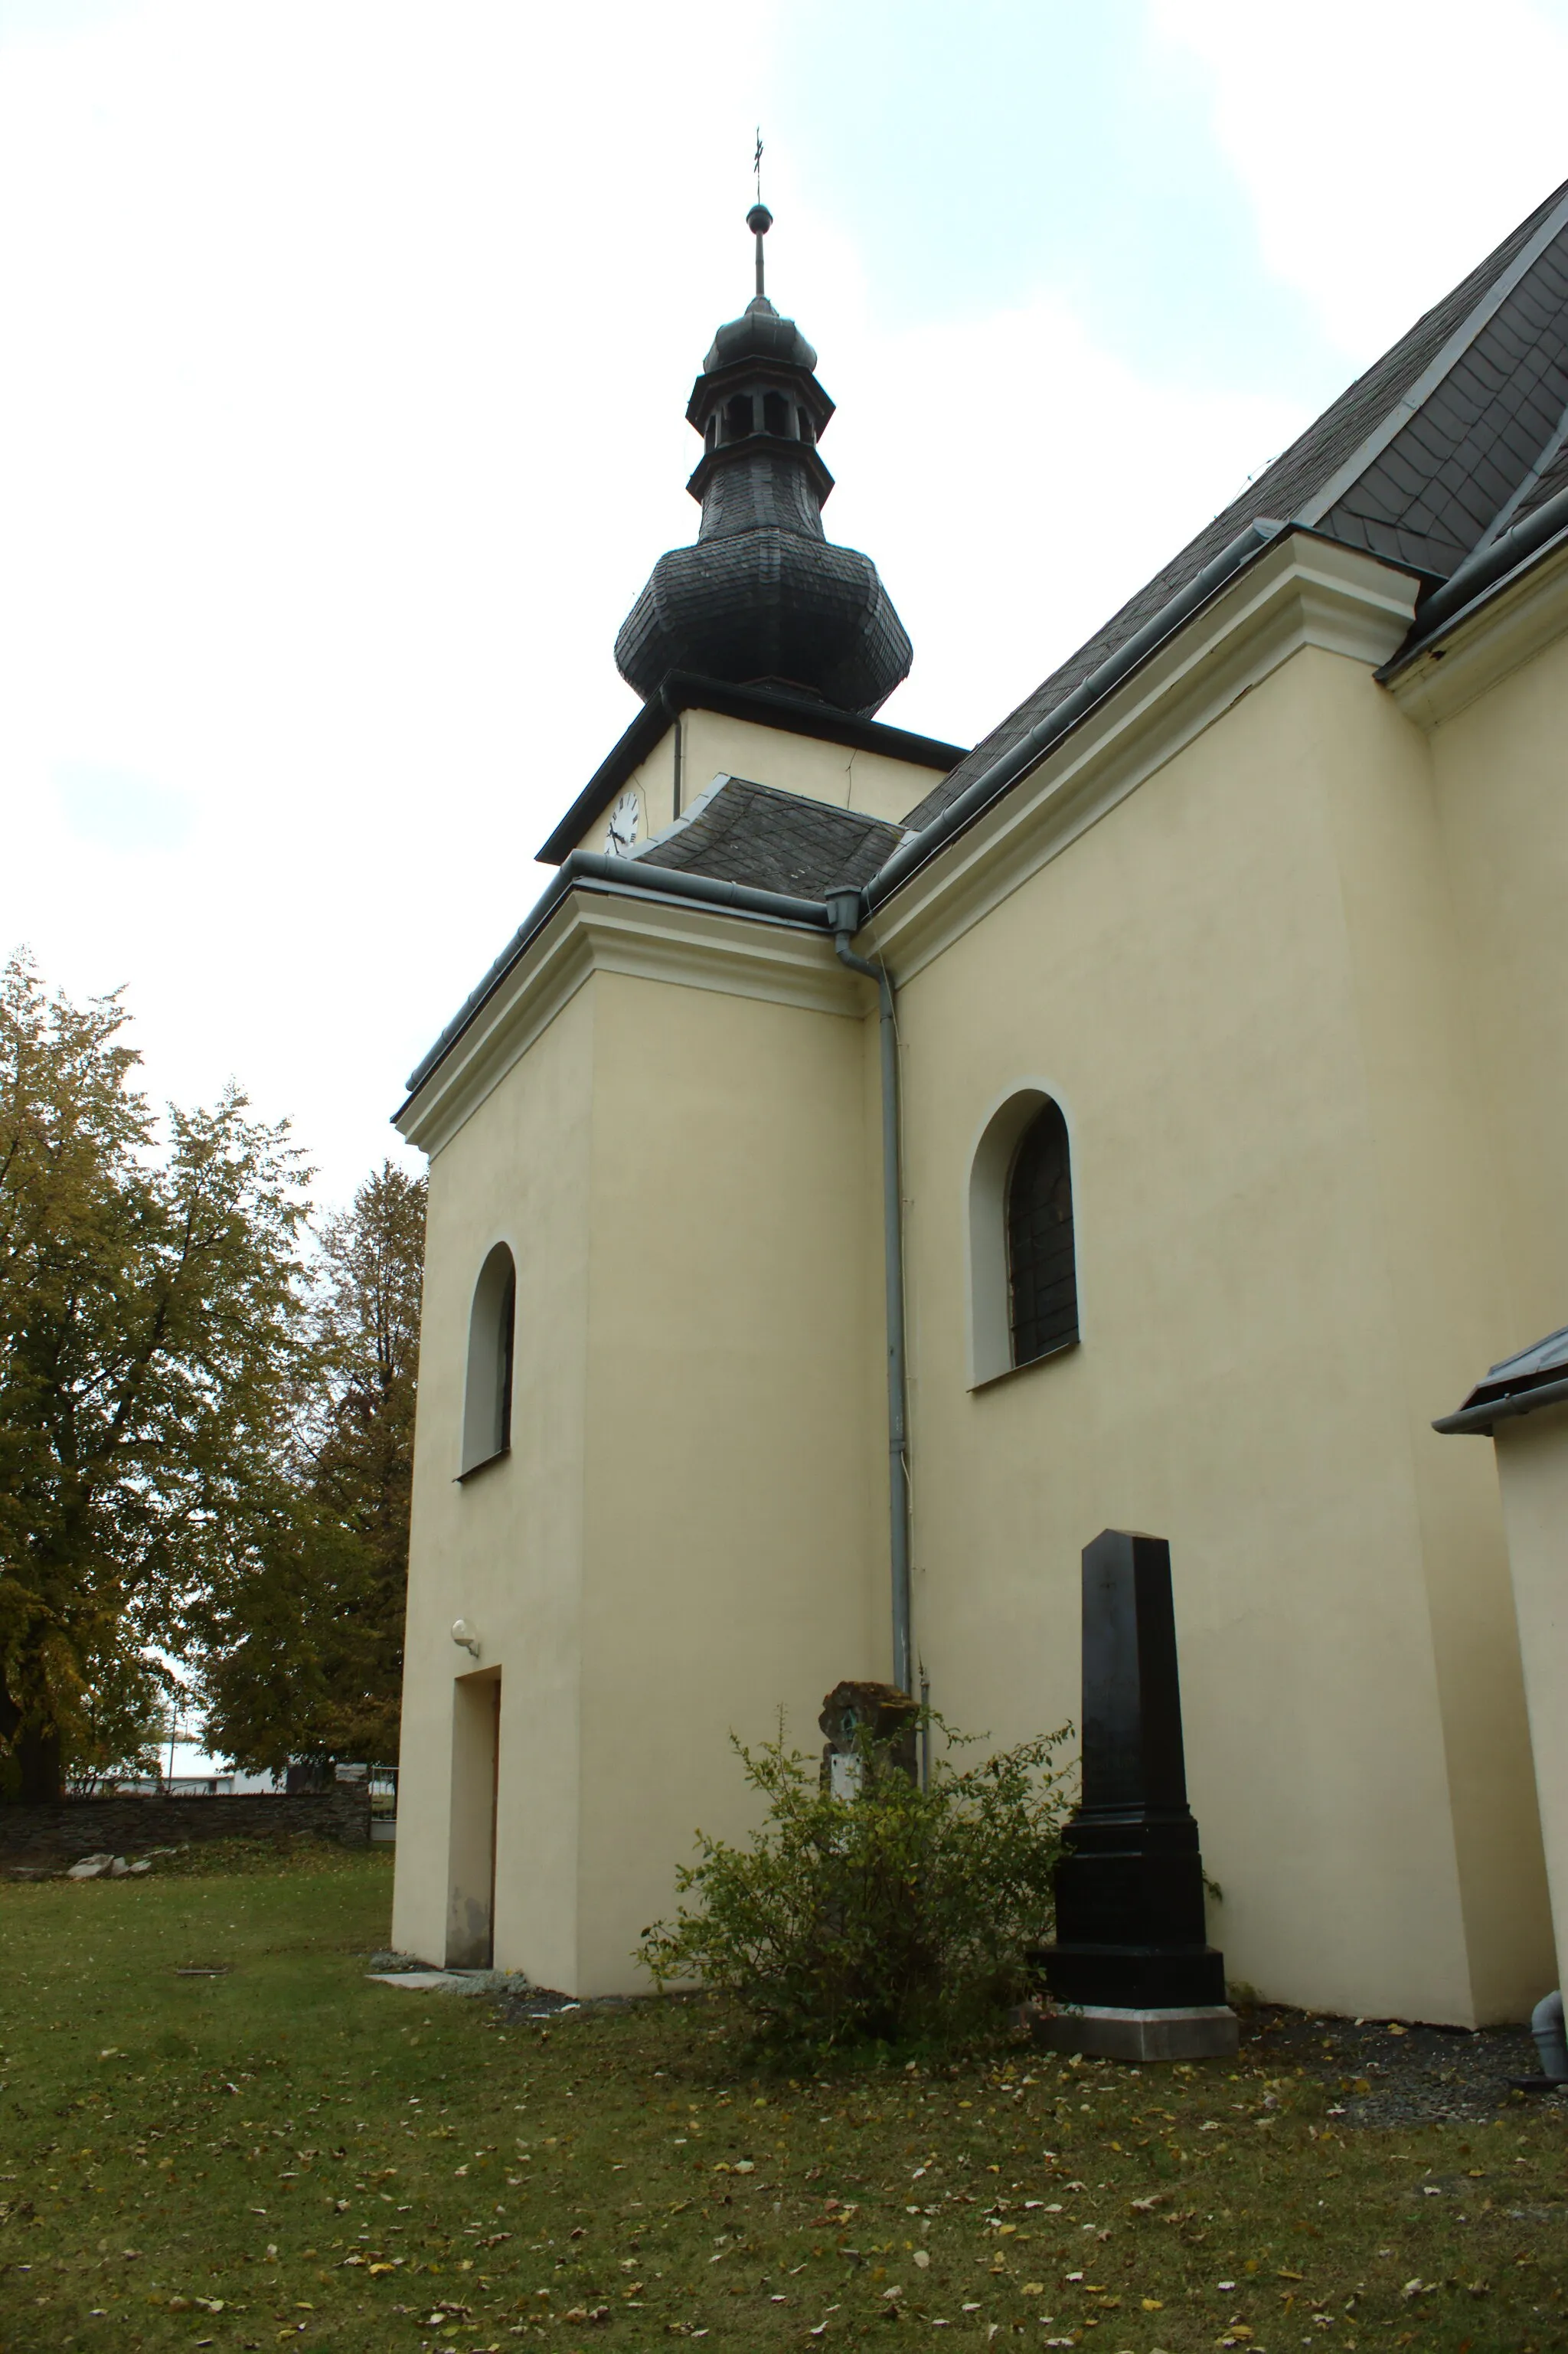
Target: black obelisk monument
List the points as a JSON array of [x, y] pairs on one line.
[[1130, 1962]]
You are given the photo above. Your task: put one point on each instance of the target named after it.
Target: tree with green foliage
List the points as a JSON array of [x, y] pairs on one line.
[[302, 1636], [152, 1343]]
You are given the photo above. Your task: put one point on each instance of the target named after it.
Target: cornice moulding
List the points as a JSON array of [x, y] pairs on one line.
[[1486, 646], [595, 930], [1303, 591]]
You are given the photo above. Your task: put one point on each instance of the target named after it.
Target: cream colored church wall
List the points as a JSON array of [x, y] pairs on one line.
[[1500, 779], [685, 1537], [1444, 1241], [713, 745], [868, 781], [505, 1548], [733, 1518], [1532, 1470], [1238, 985]]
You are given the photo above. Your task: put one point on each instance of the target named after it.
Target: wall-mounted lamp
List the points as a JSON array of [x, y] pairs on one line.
[[464, 1636]]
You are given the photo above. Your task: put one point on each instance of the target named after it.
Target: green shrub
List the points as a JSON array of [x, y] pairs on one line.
[[899, 1915]]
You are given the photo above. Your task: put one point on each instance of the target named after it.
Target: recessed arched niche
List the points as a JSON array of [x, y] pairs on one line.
[[491, 1341]]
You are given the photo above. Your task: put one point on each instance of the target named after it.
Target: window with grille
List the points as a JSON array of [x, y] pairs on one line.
[[1043, 1284]]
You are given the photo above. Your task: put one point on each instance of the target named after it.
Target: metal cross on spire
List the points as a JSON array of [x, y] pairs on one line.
[[759, 221]]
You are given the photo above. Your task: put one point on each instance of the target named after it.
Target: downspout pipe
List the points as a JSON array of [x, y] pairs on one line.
[[1546, 2026], [844, 912]]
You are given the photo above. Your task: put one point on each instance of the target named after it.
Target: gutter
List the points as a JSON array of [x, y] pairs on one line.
[[1480, 1418], [626, 879], [1009, 766]]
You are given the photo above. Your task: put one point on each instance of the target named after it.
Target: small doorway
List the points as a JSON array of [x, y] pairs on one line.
[[476, 1778]]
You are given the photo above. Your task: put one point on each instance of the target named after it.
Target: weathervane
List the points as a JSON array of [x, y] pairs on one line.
[[759, 221]]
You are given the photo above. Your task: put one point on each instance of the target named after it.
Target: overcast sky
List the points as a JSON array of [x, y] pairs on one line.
[[346, 347]]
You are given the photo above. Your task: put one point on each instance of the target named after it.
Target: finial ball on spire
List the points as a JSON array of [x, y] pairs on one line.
[[759, 221]]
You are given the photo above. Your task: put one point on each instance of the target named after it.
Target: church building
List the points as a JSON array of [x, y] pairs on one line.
[[874, 1166]]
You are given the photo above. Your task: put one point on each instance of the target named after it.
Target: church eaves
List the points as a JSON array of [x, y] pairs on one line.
[[1458, 433]]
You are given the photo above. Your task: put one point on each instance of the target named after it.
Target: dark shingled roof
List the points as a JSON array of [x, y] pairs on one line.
[[1431, 452], [744, 833]]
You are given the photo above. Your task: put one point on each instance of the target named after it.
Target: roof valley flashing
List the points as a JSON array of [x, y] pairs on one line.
[[1445, 460]]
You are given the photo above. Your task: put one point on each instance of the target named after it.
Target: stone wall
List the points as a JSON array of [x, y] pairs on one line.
[[77, 1827]]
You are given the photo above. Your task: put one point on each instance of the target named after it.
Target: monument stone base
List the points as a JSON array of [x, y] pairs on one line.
[[1202, 2031]]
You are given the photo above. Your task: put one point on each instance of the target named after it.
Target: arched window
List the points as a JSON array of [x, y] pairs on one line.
[[487, 1398], [1023, 1292], [737, 416], [1043, 1284], [775, 412]]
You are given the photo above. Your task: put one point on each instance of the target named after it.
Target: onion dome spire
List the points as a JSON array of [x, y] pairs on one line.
[[764, 598]]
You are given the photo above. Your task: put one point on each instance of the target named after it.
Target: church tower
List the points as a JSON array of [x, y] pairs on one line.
[[764, 598]]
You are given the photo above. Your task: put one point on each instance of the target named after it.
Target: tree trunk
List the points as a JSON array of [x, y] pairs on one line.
[[43, 1771]]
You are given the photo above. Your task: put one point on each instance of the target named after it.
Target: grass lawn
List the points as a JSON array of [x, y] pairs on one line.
[[287, 2153]]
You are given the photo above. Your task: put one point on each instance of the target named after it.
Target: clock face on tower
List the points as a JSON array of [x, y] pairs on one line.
[[625, 824]]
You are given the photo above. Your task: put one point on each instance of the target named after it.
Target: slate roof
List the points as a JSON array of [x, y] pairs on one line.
[[744, 833], [1455, 434]]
